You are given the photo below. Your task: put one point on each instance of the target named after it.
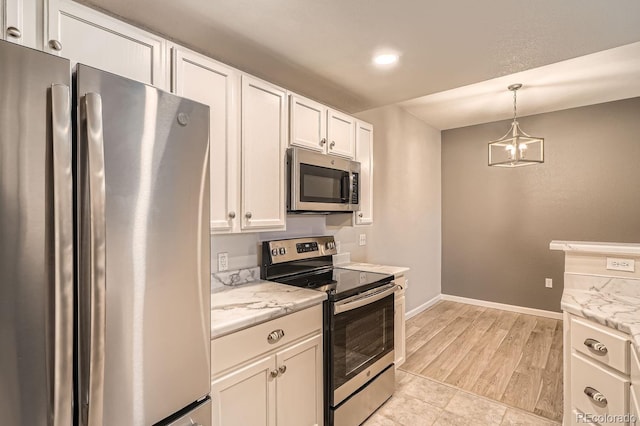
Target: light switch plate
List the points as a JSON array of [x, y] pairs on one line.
[[617, 264]]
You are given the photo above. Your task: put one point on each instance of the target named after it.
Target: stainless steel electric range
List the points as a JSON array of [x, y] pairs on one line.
[[358, 324]]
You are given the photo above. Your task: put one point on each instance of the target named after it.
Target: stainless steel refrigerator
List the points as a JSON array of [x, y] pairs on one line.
[[104, 248]]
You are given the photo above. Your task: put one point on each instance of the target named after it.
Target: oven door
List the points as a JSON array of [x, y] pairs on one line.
[[361, 340], [320, 182]]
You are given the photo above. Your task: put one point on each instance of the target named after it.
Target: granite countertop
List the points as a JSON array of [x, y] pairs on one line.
[[234, 308], [617, 309], [596, 247], [396, 271]]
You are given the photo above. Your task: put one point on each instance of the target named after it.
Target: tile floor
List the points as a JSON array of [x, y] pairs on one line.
[[419, 401]]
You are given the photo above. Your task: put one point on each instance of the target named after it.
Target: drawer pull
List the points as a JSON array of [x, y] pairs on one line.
[[273, 373], [282, 369], [595, 396], [275, 336], [596, 346]]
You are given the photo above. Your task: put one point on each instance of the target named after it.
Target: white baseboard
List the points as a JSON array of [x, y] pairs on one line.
[[503, 306], [423, 307]]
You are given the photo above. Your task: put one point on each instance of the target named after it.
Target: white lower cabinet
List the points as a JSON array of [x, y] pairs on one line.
[[245, 396], [598, 373], [399, 323], [258, 380], [92, 38]]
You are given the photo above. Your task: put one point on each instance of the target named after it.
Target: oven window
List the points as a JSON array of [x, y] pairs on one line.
[[361, 337], [323, 185]]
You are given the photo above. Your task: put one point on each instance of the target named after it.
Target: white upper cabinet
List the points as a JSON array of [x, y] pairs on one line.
[[19, 20], [340, 134], [308, 123], [84, 35], [319, 128], [264, 135], [364, 155], [212, 83]]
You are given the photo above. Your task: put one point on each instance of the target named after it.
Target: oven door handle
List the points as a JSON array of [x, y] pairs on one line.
[[360, 300]]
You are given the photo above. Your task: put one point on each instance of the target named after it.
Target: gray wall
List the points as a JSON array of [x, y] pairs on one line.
[[407, 194], [497, 223]]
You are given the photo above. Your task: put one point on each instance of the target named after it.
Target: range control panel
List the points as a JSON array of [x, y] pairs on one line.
[[280, 251]]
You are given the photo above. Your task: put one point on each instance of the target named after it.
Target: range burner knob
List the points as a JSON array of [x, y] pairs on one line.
[[331, 245], [274, 252], [283, 250]]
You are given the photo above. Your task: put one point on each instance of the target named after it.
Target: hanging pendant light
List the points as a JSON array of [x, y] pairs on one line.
[[516, 148]]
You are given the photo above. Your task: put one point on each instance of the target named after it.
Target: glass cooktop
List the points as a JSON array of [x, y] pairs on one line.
[[337, 282]]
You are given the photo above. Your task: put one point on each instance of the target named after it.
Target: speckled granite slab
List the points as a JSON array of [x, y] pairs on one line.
[[234, 308], [613, 302]]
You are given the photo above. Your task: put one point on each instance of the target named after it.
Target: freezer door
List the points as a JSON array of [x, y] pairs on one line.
[[144, 279], [36, 239]]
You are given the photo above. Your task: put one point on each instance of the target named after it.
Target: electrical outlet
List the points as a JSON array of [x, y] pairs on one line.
[[363, 239], [627, 265], [548, 283], [223, 261]]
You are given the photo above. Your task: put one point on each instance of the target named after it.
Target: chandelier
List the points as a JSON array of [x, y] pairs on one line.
[[516, 148]]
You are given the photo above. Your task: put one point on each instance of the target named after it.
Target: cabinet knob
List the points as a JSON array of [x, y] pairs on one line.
[[282, 369], [596, 396], [55, 45], [332, 144], [248, 215], [275, 336], [360, 214], [232, 215], [273, 374], [596, 346], [323, 141], [14, 32]]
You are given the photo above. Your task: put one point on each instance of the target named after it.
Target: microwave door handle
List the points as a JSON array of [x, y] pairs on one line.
[[346, 188], [359, 301]]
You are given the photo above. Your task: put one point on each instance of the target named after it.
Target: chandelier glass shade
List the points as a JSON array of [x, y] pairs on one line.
[[516, 148]]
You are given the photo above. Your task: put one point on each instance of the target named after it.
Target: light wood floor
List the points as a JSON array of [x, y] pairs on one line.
[[509, 357]]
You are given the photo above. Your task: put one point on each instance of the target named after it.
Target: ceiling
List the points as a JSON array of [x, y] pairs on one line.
[[323, 49]]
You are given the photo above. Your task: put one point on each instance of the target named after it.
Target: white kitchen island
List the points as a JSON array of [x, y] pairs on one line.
[[601, 304]]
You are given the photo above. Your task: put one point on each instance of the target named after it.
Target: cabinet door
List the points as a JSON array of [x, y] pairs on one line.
[[341, 134], [299, 399], [399, 328], [264, 127], [211, 83], [308, 123], [11, 18], [21, 22], [84, 35], [245, 396], [364, 155], [633, 408]]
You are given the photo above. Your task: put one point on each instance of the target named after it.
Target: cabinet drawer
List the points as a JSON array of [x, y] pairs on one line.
[[615, 388], [236, 348], [616, 354]]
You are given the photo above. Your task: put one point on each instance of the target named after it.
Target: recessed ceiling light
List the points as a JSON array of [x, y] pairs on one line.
[[385, 59]]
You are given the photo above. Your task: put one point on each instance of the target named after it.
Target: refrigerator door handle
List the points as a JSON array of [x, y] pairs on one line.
[[97, 256], [62, 391]]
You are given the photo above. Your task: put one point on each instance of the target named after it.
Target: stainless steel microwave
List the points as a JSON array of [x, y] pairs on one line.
[[321, 183]]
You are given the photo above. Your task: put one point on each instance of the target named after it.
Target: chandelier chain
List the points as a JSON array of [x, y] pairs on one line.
[[514, 105]]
